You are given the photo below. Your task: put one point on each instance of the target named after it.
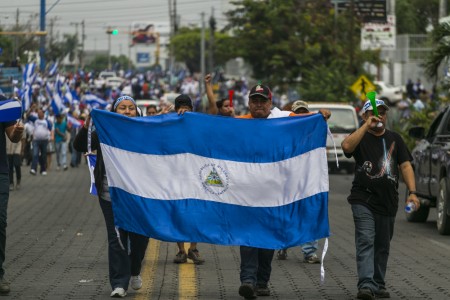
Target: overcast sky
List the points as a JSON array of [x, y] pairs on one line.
[[99, 14]]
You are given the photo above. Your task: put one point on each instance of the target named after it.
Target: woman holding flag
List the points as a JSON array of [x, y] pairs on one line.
[[126, 250]]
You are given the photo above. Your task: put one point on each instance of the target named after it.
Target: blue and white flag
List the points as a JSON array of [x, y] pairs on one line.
[[29, 77], [10, 110], [94, 101], [200, 178], [91, 159], [53, 69], [73, 121]]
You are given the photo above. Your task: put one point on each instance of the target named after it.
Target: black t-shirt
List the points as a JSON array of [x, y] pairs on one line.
[[377, 172], [3, 158]]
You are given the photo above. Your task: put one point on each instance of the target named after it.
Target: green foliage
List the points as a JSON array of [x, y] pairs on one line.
[[100, 62], [186, 44], [413, 16], [441, 51], [285, 40]]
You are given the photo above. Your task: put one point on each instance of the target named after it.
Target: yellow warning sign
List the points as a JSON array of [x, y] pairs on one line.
[[362, 86]]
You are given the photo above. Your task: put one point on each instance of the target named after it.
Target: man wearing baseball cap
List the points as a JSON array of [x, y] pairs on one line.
[[380, 156]]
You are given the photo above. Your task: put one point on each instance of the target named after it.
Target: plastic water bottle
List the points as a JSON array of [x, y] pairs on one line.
[[410, 207]]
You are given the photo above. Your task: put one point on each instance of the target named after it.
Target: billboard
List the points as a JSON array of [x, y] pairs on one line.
[[379, 35], [143, 33]]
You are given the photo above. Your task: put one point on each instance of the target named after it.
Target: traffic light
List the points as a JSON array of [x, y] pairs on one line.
[[112, 31]]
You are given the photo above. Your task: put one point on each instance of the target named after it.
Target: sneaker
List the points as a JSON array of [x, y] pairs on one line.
[[195, 256], [312, 259], [44, 173], [365, 294], [65, 168], [282, 254], [382, 293], [180, 258], [33, 172], [136, 282], [247, 290], [118, 293], [4, 287], [262, 290], [11, 187]]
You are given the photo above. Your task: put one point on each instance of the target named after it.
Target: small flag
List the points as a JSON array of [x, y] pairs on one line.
[[10, 110], [91, 160]]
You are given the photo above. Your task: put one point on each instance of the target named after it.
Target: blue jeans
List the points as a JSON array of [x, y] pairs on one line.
[[309, 248], [4, 196], [125, 255], [373, 234], [39, 154], [256, 265], [61, 153]]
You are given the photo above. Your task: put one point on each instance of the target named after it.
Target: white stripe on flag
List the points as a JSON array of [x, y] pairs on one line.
[[183, 176]]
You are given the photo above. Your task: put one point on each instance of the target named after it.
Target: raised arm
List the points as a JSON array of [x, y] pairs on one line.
[[212, 107]]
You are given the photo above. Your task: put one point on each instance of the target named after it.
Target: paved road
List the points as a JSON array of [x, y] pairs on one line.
[[56, 249]]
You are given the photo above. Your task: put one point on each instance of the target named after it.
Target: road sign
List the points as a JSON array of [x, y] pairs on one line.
[[369, 11], [362, 86]]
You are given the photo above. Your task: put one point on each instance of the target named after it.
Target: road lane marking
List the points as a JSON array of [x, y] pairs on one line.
[[187, 281], [148, 270], [447, 247]]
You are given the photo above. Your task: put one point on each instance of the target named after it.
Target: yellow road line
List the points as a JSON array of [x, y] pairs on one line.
[[148, 270], [187, 281]]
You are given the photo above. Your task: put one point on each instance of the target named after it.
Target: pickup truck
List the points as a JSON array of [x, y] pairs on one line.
[[431, 163]]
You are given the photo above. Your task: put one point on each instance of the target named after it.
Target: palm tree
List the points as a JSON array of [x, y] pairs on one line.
[[441, 52]]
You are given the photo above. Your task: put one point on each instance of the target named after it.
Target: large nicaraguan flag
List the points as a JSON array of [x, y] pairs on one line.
[[201, 178], [10, 110]]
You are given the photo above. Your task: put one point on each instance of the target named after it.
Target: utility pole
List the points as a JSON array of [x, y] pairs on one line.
[[202, 57], [212, 28], [109, 49], [442, 8], [16, 41], [77, 47], [83, 37], [42, 38]]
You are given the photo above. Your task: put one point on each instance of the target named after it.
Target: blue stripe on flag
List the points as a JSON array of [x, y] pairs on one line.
[[10, 110], [245, 140], [224, 224]]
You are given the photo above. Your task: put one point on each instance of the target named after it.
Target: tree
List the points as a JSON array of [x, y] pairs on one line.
[[288, 40], [441, 51], [187, 47], [414, 16]]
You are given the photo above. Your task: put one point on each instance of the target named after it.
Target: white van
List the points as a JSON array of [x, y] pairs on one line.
[[343, 121]]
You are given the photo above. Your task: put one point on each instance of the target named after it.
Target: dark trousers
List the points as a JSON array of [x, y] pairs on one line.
[[125, 254], [256, 265], [14, 162], [4, 195], [39, 154], [373, 234]]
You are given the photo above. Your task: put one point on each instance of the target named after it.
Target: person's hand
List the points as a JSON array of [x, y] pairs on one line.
[[413, 198], [325, 113], [372, 121], [208, 78], [181, 111], [18, 129], [166, 109]]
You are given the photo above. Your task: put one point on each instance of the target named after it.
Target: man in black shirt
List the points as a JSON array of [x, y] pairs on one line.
[[14, 131], [380, 155]]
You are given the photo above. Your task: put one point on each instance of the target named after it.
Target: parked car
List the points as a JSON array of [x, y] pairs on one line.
[[431, 163], [143, 103], [343, 121], [389, 93], [114, 82]]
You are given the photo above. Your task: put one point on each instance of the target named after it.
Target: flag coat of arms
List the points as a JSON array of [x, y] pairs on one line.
[[201, 178]]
